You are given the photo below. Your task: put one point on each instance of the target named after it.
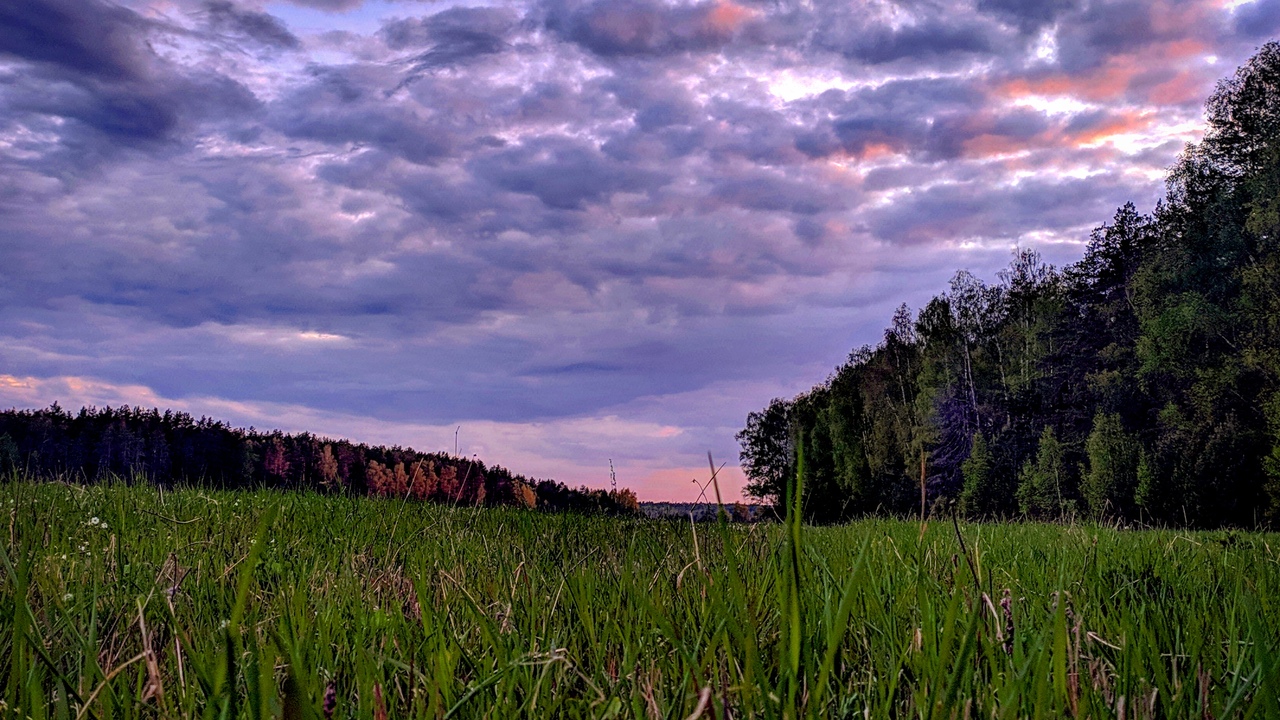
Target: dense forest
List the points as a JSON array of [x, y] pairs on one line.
[[171, 448], [1140, 384]]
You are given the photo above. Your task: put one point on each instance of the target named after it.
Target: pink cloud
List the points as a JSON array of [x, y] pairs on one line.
[[727, 17], [1107, 83]]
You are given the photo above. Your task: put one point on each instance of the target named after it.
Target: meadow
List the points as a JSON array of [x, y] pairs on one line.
[[121, 601]]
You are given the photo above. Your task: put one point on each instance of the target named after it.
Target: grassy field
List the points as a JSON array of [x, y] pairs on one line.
[[120, 602]]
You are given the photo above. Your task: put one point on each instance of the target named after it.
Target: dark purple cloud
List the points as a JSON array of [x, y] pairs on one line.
[[955, 212], [1028, 15], [931, 38], [621, 28], [485, 29], [86, 74], [350, 105], [449, 38], [562, 173], [252, 25], [85, 37], [1259, 19]]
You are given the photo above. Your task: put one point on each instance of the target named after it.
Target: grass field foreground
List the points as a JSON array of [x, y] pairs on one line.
[[124, 602]]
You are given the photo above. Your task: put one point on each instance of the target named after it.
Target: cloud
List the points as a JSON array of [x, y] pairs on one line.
[[459, 26], [927, 118], [259, 27], [333, 6], [452, 37], [769, 192], [930, 38], [970, 211], [562, 173], [1258, 19], [86, 37], [621, 28], [93, 64], [1029, 15], [350, 105]]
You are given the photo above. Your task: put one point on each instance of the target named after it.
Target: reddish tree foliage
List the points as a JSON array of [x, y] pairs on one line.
[[274, 461], [447, 487]]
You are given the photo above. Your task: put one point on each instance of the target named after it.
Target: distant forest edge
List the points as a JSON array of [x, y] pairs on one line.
[[1141, 383], [175, 448]]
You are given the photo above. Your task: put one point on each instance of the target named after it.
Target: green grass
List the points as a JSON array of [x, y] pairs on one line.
[[409, 610]]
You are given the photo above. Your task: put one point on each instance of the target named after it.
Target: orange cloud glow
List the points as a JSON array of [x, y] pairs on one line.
[[1122, 124], [1185, 87], [1106, 83], [726, 16], [1182, 49], [987, 145]]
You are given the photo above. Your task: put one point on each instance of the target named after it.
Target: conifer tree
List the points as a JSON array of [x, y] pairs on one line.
[[976, 497], [1111, 477], [1041, 491]]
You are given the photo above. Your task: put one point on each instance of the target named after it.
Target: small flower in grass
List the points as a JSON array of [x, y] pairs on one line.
[[68, 598], [95, 521], [330, 700]]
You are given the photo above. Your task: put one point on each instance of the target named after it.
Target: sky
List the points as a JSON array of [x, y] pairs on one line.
[[557, 233]]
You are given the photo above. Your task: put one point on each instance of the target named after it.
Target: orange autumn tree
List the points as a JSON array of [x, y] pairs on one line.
[[424, 481], [387, 481], [328, 467]]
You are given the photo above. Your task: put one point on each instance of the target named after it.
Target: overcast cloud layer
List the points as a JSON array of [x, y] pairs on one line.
[[580, 230]]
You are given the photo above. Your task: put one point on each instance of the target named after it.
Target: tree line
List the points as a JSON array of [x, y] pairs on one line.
[[173, 448], [1141, 383]]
